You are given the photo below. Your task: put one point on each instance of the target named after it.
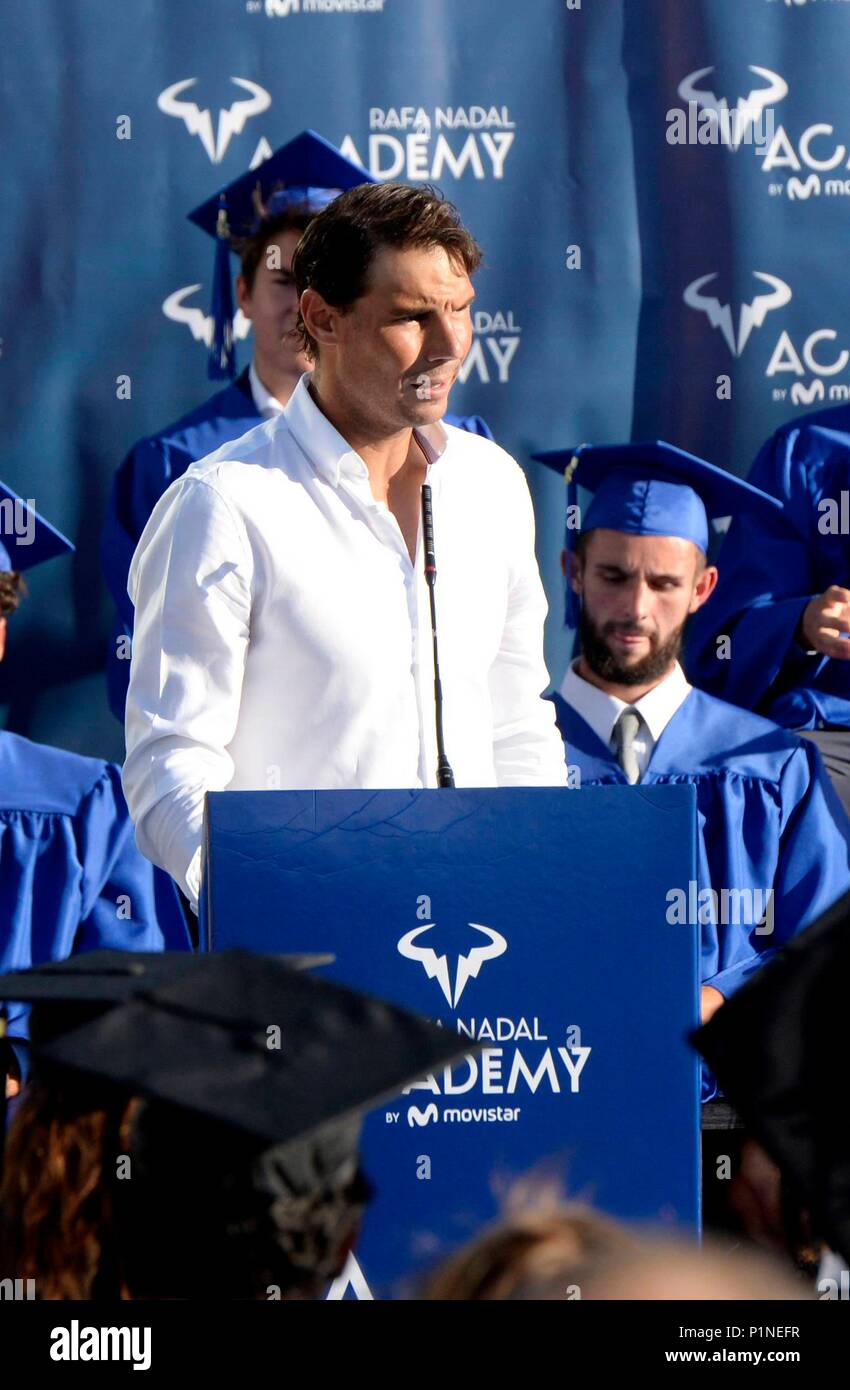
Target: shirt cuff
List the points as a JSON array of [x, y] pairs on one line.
[[192, 879], [729, 980]]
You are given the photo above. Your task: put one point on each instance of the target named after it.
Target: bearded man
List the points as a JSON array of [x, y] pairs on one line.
[[772, 838]]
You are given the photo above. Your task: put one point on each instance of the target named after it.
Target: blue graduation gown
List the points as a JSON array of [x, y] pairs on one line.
[[767, 818], [71, 877], [769, 570], [150, 467]]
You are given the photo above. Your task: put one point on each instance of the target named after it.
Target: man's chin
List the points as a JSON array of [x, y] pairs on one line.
[[425, 412], [628, 664], [632, 670]]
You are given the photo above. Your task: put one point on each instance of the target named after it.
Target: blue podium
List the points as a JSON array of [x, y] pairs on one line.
[[533, 919]]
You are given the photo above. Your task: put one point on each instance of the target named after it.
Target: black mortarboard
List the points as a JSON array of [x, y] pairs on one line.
[[111, 977], [252, 1081], [306, 173], [72, 991], [26, 539], [255, 1045], [776, 1047]]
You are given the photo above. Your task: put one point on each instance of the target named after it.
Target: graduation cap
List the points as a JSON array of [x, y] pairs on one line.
[[68, 993], [774, 1047], [305, 174], [249, 1042], [651, 489], [26, 539], [251, 1080], [84, 986]]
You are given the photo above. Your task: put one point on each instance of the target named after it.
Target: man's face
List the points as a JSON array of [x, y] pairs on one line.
[[272, 305], [398, 350], [637, 593]]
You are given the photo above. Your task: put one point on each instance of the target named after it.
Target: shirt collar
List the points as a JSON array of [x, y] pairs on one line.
[[265, 403], [601, 710], [331, 455]]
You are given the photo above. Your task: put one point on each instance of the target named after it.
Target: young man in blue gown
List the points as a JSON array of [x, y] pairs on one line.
[[773, 843]]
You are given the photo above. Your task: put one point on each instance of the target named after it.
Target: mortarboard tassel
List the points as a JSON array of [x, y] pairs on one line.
[[222, 359], [572, 602]]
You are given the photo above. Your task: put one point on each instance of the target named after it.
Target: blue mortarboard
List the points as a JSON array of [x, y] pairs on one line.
[[651, 489], [26, 539], [307, 173]]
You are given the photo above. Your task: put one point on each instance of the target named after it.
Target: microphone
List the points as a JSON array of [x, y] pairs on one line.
[[445, 776]]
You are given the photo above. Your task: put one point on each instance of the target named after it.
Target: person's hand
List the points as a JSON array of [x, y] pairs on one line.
[[710, 1000], [824, 619]]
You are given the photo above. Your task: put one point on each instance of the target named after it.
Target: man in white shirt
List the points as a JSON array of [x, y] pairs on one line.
[[282, 632], [265, 211]]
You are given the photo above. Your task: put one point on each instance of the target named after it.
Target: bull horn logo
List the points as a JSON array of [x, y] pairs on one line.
[[437, 966], [748, 109], [231, 119], [751, 315], [200, 325]]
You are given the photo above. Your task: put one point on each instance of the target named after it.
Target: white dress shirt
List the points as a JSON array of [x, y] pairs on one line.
[[283, 638], [265, 403], [601, 710]]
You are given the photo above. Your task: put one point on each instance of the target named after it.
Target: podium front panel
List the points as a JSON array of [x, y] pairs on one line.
[[538, 920]]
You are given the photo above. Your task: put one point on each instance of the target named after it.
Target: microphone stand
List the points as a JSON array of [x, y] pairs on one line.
[[445, 776]]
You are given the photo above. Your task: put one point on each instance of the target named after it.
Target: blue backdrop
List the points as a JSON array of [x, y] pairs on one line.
[[633, 284]]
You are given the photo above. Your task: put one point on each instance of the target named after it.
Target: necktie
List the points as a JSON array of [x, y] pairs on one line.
[[625, 732]]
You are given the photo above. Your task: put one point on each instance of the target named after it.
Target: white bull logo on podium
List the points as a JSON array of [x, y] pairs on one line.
[[436, 966]]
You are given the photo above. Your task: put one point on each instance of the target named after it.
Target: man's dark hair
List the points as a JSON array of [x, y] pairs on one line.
[[250, 248], [216, 1213], [335, 253], [580, 546], [12, 589]]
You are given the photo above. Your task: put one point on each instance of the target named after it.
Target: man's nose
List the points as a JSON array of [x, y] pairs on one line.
[[446, 338], [635, 601]]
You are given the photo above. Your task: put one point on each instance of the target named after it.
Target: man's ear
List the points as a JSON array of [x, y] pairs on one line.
[[320, 318], [576, 569], [704, 586], [243, 295]]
